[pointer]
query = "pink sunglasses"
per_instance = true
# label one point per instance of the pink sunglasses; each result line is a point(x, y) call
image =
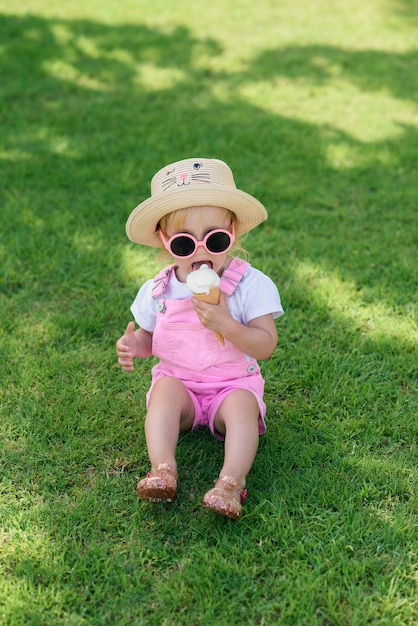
point(183, 245)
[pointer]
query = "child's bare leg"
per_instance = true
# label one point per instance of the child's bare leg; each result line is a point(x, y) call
point(237, 419)
point(170, 410)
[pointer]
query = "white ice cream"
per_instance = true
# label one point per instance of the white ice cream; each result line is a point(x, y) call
point(202, 280)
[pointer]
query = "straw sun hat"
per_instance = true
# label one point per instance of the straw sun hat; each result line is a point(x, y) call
point(190, 183)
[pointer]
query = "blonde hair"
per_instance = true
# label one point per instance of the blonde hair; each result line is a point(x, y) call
point(175, 220)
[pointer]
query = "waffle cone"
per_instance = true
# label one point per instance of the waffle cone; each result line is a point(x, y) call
point(211, 298)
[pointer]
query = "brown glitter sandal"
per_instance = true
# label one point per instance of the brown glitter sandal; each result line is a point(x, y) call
point(226, 498)
point(160, 485)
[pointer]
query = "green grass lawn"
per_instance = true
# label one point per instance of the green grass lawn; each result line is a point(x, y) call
point(314, 106)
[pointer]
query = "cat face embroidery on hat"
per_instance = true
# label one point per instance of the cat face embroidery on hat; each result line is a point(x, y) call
point(192, 172)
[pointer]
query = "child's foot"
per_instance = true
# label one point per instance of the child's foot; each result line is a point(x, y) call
point(159, 486)
point(226, 498)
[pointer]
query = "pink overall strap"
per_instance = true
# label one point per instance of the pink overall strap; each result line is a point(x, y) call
point(160, 285)
point(233, 275)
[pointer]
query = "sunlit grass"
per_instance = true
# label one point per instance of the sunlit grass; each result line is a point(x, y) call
point(379, 320)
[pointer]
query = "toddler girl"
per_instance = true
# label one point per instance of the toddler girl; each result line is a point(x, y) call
point(196, 213)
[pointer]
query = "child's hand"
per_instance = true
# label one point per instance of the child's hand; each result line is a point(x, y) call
point(126, 348)
point(213, 316)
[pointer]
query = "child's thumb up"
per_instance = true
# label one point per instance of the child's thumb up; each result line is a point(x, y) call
point(130, 329)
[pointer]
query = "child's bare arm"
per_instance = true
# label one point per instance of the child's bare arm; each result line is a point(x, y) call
point(258, 339)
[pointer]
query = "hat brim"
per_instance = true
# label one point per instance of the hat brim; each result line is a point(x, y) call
point(142, 222)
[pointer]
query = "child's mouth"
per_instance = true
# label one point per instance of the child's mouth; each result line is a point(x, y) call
point(198, 264)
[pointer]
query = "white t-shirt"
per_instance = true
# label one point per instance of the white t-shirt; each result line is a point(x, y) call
point(256, 295)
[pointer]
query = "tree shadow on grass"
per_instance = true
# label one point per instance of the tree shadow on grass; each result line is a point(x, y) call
point(86, 142)
point(406, 9)
point(91, 111)
point(368, 70)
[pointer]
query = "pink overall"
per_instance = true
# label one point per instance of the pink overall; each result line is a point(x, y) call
point(190, 352)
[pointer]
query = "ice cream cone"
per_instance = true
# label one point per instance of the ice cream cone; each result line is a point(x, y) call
point(211, 298)
point(204, 284)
